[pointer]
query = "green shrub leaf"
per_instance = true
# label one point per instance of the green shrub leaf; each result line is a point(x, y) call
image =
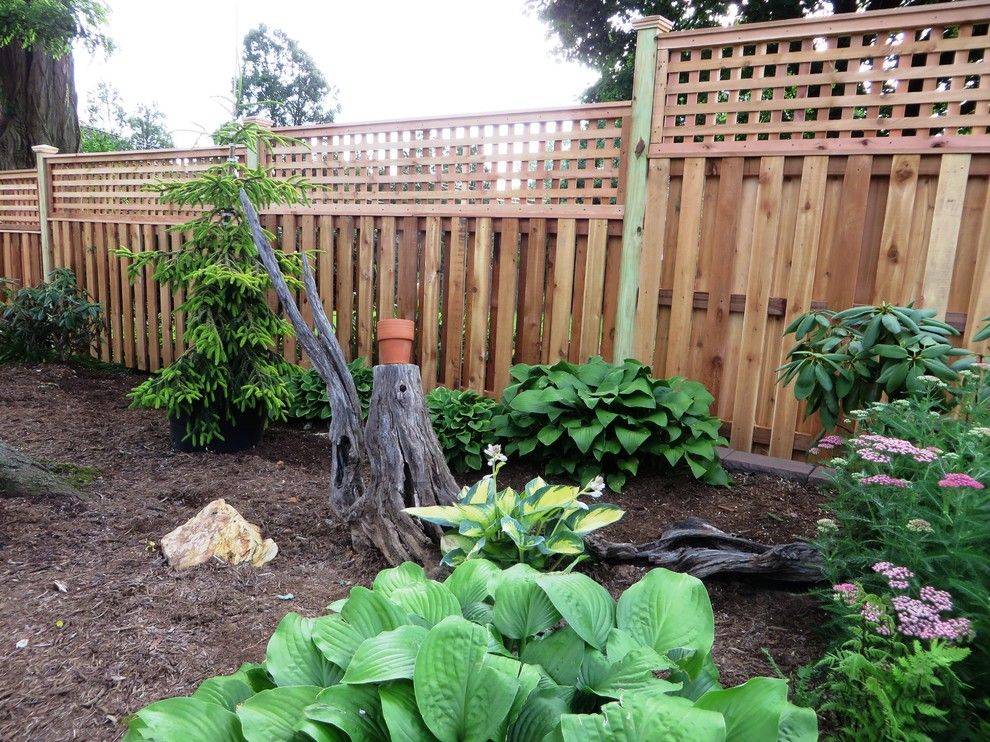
point(585, 605)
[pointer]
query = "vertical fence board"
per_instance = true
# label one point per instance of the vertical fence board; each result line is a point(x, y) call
point(563, 286)
point(686, 267)
point(453, 320)
point(505, 314)
point(478, 301)
point(366, 296)
point(344, 299)
point(430, 307)
point(946, 221)
point(593, 289)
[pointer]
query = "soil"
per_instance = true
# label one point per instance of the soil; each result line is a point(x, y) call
point(110, 627)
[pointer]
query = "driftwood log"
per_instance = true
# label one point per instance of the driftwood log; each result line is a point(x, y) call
point(408, 468)
point(702, 550)
point(23, 476)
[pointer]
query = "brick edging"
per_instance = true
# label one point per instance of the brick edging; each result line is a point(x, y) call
point(755, 463)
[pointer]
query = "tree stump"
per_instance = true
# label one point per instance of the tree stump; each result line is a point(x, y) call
point(408, 468)
point(22, 476)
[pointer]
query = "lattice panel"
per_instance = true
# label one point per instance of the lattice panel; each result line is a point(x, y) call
point(570, 156)
point(878, 75)
point(19, 199)
point(116, 182)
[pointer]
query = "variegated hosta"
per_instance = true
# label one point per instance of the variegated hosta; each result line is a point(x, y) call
point(514, 656)
point(542, 526)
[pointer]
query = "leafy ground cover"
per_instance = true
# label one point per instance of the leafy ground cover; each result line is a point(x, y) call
point(128, 630)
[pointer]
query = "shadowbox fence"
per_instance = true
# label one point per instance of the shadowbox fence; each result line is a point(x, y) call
point(759, 171)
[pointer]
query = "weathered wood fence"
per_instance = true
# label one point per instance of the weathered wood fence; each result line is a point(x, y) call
point(759, 171)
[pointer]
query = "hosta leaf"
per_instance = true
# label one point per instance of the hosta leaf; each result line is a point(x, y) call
point(540, 714)
point(402, 715)
point(596, 516)
point(754, 711)
point(430, 600)
point(459, 698)
point(645, 716)
point(549, 434)
point(585, 435)
point(474, 581)
point(407, 573)
point(548, 498)
point(272, 715)
point(585, 605)
point(633, 672)
point(560, 654)
point(371, 613)
point(442, 515)
point(521, 608)
point(292, 657)
point(519, 535)
point(563, 541)
point(630, 439)
point(389, 656)
point(337, 639)
point(184, 720)
point(666, 610)
point(353, 709)
point(225, 691)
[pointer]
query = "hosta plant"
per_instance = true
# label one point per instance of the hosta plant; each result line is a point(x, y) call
point(308, 398)
point(595, 418)
point(462, 420)
point(488, 655)
point(844, 360)
point(543, 526)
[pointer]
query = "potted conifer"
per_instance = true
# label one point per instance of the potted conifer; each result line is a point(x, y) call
point(223, 390)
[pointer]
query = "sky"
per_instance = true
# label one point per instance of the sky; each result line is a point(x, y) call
point(389, 58)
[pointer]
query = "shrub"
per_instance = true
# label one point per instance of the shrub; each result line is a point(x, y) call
point(844, 360)
point(595, 418)
point(910, 489)
point(487, 654)
point(308, 399)
point(232, 363)
point(542, 526)
point(55, 321)
point(462, 420)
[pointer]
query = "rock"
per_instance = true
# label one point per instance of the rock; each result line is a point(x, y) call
point(217, 530)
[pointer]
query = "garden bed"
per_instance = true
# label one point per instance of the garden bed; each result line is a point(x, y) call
point(132, 630)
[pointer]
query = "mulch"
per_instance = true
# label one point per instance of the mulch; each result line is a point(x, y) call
point(128, 629)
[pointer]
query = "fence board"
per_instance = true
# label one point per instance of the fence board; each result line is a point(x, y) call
point(478, 301)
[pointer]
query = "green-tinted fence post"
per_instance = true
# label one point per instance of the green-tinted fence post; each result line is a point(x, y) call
point(644, 84)
point(43, 152)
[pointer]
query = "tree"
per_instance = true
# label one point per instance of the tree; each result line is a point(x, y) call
point(108, 128)
point(37, 88)
point(598, 32)
point(148, 128)
point(280, 81)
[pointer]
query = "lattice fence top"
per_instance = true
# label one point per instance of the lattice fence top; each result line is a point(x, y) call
point(827, 83)
point(114, 183)
point(553, 157)
point(19, 200)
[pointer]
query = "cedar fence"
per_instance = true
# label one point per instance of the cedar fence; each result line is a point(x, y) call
point(759, 171)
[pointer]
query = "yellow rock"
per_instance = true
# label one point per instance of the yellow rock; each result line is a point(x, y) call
point(217, 530)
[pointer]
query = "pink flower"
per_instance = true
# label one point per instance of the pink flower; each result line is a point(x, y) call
point(886, 480)
point(897, 577)
point(878, 448)
point(938, 599)
point(847, 592)
point(871, 613)
point(959, 480)
point(830, 441)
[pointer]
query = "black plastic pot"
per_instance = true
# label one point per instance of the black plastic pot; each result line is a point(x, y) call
point(243, 433)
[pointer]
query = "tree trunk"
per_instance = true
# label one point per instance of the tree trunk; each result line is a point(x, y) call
point(37, 105)
point(408, 469)
point(702, 550)
point(22, 476)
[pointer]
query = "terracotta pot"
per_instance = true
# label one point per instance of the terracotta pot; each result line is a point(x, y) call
point(395, 340)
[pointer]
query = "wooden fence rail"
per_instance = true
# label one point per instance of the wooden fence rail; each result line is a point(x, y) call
point(761, 171)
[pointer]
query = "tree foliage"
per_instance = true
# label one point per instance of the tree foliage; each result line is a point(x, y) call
point(108, 127)
point(280, 80)
point(52, 26)
point(598, 33)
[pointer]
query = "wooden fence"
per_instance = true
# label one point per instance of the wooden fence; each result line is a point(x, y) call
point(760, 171)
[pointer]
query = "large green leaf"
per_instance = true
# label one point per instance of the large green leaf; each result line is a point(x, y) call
point(560, 654)
point(474, 581)
point(521, 608)
point(633, 672)
point(371, 613)
point(389, 580)
point(585, 605)
point(666, 610)
point(389, 656)
point(336, 638)
point(460, 699)
point(273, 715)
point(353, 709)
point(442, 515)
point(431, 601)
point(184, 720)
point(540, 714)
point(293, 658)
point(229, 690)
point(401, 713)
point(596, 516)
point(755, 710)
point(644, 717)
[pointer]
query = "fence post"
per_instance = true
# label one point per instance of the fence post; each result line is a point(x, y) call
point(256, 158)
point(638, 146)
point(43, 152)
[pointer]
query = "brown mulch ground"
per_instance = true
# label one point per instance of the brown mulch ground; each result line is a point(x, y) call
point(130, 630)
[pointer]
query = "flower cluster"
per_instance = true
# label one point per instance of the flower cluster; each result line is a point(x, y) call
point(826, 525)
point(848, 592)
point(919, 525)
point(959, 480)
point(879, 448)
point(897, 577)
point(922, 619)
point(886, 480)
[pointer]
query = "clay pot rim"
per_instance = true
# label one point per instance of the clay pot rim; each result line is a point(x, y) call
point(403, 329)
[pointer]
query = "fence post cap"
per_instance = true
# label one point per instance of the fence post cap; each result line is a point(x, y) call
point(661, 24)
point(260, 121)
point(44, 149)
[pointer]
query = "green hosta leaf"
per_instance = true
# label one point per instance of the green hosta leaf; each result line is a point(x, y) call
point(549, 434)
point(225, 691)
point(633, 672)
point(595, 517)
point(703, 681)
point(337, 639)
point(353, 709)
point(585, 605)
point(666, 610)
point(585, 435)
point(645, 716)
point(402, 715)
point(563, 541)
point(535, 400)
point(406, 574)
point(442, 515)
point(460, 699)
point(371, 613)
point(430, 600)
point(474, 581)
point(184, 720)
point(389, 656)
point(521, 608)
point(273, 715)
point(631, 439)
point(293, 658)
point(519, 535)
point(549, 498)
point(754, 712)
point(560, 654)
